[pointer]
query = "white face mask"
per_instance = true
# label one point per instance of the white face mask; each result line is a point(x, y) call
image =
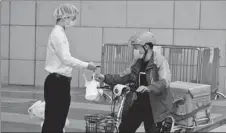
point(70, 23)
point(137, 54)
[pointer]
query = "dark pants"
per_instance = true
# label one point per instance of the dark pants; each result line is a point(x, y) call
point(139, 112)
point(57, 97)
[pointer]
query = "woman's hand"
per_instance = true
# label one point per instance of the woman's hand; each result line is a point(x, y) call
point(91, 66)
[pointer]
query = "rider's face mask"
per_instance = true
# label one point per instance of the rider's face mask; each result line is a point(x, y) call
point(138, 52)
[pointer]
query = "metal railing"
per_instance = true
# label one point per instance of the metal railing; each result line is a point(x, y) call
point(187, 63)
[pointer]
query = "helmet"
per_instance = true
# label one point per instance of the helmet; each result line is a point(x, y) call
point(142, 38)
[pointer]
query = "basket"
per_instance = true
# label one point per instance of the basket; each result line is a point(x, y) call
point(99, 123)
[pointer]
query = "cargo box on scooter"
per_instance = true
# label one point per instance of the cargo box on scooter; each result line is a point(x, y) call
point(194, 106)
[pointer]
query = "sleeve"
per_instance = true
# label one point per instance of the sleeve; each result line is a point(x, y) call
point(61, 46)
point(128, 76)
point(158, 86)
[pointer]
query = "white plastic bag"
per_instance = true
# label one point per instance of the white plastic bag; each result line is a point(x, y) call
point(92, 93)
point(38, 110)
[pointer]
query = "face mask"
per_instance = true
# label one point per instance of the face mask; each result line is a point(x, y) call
point(137, 54)
point(70, 23)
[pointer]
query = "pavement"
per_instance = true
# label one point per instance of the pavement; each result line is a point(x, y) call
point(15, 101)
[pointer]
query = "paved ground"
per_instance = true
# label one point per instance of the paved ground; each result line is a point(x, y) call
point(219, 129)
point(16, 100)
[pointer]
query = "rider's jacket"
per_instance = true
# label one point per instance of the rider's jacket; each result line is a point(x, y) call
point(158, 77)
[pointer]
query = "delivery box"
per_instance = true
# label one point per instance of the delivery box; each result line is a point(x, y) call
point(196, 106)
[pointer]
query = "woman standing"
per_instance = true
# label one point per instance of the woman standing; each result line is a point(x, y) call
point(59, 64)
